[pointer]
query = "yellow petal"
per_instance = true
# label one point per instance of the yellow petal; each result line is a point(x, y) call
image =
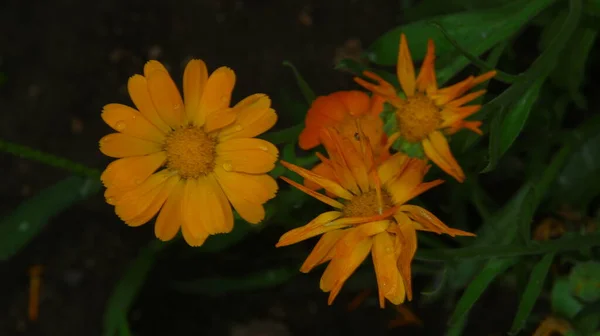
point(451, 115)
point(138, 91)
point(327, 184)
point(119, 145)
point(152, 66)
point(391, 167)
point(170, 217)
point(135, 202)
point(254, 117)
point(405, 69)
point(406, 255)
point(426, 81)
point(193, 209)
point(222, 215)
point(247, 193)
point(157, 202)
point(340, 269)
point(126, 120)
point(430, 221)
point(217, 93)
point(466, 98)
point(206, 208)
point(386, 269)
point(358, 234)
point(166, 98)
point(219, 119)
point(132, 171)
point(323, 198)
point(316, 227)
point(436, 148)
point(194, 80)
point(322, 250)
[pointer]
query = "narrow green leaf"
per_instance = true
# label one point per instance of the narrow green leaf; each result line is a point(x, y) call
point(532, 292)
point(25, 222)
point(477, 31)
point(506, 127)
point(307, 92)
point(480, 283)
point(128, 288)
point(217, 286)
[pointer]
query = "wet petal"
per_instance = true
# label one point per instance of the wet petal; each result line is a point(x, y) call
point(132, 171)
point(166, 98)
point(138, 91)
point(254, 117)
point(436, 148)
point(249, 155)
point(216, 95)
point(406, 255)
point(119, 145)
point(322, 250)
point(386, 269)
point(129, 121)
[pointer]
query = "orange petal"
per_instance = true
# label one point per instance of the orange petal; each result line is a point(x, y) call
point(407, 185)
point(405, 69)
point(119, 145)
point(166, 98)
point(247, 193)
point(219, 119)
point(322, 169)
point(384, 261)
point(132, 171)
point(453, 115)
point(391, 167)
point(466, 98)
point(447, 94)
point(126, 120)
point(436, 148)
point(340, 269)
point(135, 202)
point(327, 184)
point(358, 234)
point(255, 156)
point(323, 198)
point(472, 125)
point(430, 221)
point(217, 93)
point(356, 103)
point(152, 66)
point(138, 91)
point(322, 250)
point(316, 227)
point(207, 206)
point(193, 233)
point(157, 202)
point(325, 111)
point(408, 237)
point(170, 217)
point(426, 81)
point(194, 81)
point(254, 117)
point(381, 88)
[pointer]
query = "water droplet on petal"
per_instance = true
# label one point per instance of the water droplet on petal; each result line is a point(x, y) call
point(265, 148)
point(176, 106)
point(110, 200)
point(238, 128)
point(224, 99)
point(120, 125)
point(133, 117)
point(227, 166)
point(389, 250)
point(137, 181)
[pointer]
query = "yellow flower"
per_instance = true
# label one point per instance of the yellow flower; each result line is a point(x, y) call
point(188, 158)
point(427, 110)
point(370, 217)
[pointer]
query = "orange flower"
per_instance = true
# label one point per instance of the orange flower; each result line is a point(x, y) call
point(345, 111)
point(370, 217)
point(427, 110)
point(188, 158)
point(553, 326)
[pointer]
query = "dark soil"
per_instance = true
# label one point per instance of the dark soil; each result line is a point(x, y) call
point(65, 59)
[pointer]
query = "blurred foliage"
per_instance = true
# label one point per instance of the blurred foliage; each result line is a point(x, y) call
point(539, 155)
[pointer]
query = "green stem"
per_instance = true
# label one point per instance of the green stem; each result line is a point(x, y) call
point(48, 159)
point(512, 250)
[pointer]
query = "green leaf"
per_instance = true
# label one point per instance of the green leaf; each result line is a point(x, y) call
point(284, 136)
point(307, 92)
point(588, 319)
point(506, 127)
point(584, 281)
point(128, 288)
point(25, 222)
point(480, 283)
point(562, 300)
point(477, 31)
point(217, 286)
point(532, 292)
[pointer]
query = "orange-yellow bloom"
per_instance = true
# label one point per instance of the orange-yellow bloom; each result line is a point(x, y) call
point(553, 326)
point(345, 111)
point(370, 217)
point(428, 110)
point(189, 157)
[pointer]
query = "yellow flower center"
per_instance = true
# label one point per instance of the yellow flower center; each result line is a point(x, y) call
point(417, 118)
point(190, 152)
point(368, 204)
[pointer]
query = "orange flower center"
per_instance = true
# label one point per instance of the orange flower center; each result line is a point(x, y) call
point(190, 152)
point(417, 118)
point(368, 204)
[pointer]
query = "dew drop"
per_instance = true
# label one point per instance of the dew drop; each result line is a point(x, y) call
point(176, 106)
point(264, 148)
point(120, 125)
point(389, 250)
point(227, 166)
point(110, 200)
point(238, 128)
point(133, 117)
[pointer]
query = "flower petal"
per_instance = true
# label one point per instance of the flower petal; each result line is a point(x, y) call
point(145, 200)
point(323, 198)
point(391, 167)
point(316, 227)
point(170, 218)
point(356, 103)
point(129, 121)
point(254, 117)
point(194, 81)
point(216, 95)
point(132, 171)
point(426, 81)
point(408, 238)
point(166, 98)
point(119, 145)
point(436, 148)
point(255, 156)
point(386, 269)
point(327, 184)
point(206, 208)
point(219, 119)
point(194, 212)
point(247, 193)
point(340, 268)
point(405, 69)
point(429, 221)
point(322, 169)
point(138, 91)
point(322, 250)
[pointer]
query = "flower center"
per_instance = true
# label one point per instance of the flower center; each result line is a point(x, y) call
point(367, 204)
point(417, 118)
point(190, 152)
